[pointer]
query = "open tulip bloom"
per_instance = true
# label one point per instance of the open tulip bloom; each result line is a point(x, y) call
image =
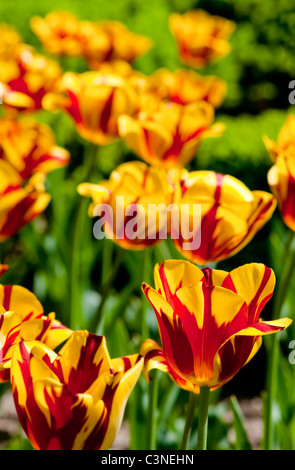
point(209, 321)
point(73, 400)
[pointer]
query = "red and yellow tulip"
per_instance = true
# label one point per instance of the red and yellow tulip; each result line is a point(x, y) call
point(201, 38)
point(30, 78)
point(135, 201)
point(94, 101)
point(168, 134)
point(3, 269)
point(60, 33)
point(73, 400)
point(20, 202)
point(184, 86)
point(22, 318)
point(115, 42)
point(209, 321)
point(230, 215)
point(281, 176)
point(30, 147)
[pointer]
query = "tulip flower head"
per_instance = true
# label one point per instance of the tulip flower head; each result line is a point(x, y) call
point(231, 215)
point(34, 76)
point(134, 205)
point(281, 176)
point(22, 318)
point(94, 101)
point(168, 134)
point(201, 38)
point(29, 146)
point(60, 33)
point(209, 321)
point(184, 86)
point(20, 201)
point(73, 400)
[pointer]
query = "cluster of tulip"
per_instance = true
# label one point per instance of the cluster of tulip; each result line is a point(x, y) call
point(209, 320)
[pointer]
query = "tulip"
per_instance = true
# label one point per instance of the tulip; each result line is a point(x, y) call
point(30, 78)
point(73, 400)
point(201, 38)
point(185, 86)
point(117, 43)
point(168, 134)
point(281, 176)
point(229, 216)
point(60, 33)
point(209, 321)
point(94, 101)
point(29, 146)
point(20, 202)
point(22, 317)
point(134, 204)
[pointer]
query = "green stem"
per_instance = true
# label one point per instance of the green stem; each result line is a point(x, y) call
point(272, 375)
point(81, 214)
point(152, 413)
point(97, 318)
point(203, 418)
point(193, 397)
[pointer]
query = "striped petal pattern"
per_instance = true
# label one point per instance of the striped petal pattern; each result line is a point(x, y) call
point(135, 199)
point(94, 101)
point(20, 202)
point(22, 318)
point(73, 400)
point(209, 321)
point(230, 216)
point(167, 133)
point(30, 147)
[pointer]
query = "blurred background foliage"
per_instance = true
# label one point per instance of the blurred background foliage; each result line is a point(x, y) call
point(257, 73)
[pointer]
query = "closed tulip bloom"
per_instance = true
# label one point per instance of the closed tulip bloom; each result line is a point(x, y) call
point(169, 134)
point(73, 400)
point(184, 86)
point(30, 147)
point(281, 176)
point(134, 204)
point(22, 317)
point(34, 75)
point(230, 216)
point(94, 101)
point(10, 43)
point(20, 202)
point(281, 179)
point(209, 321)
point(201, 38)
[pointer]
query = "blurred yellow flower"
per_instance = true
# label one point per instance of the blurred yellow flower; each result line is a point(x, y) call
point(94, 101)
point(30, 147)
point(29, 79)
point(184, 86)
point(201, 38)
point(168, 134)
